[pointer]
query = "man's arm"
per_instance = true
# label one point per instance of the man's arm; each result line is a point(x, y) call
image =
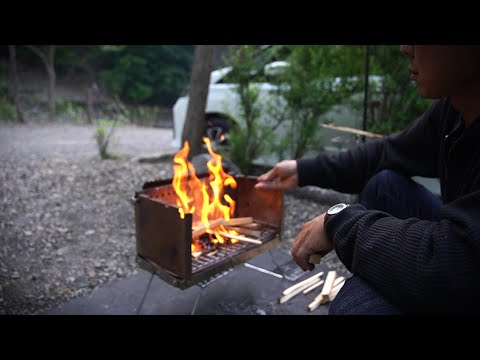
point(421, 266)
point(412, 152)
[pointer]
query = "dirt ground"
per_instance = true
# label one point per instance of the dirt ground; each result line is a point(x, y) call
point(67, 224)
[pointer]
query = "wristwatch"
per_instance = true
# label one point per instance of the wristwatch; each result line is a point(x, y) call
point(334, 210)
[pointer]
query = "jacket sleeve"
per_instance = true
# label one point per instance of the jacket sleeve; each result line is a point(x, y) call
point(421, 266)
point(412, 152)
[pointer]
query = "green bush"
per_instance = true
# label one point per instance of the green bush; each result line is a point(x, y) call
point(104, 139)
point(8, 112)
point(310, 89)
point(250, 138)
point(147, 73)
point(71, 111)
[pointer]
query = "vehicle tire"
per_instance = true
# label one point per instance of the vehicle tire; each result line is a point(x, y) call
point(216, 127)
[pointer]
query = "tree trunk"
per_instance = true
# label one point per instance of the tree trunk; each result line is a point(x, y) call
point(14, 82)
point(51, 82)
point(49, 61)
point(195, 123)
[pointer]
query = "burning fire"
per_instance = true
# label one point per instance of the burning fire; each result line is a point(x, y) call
point(205, 201)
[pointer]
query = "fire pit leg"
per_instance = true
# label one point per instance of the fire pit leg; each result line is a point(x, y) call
point(145, 295)
point(205, 283)
point(197, 300)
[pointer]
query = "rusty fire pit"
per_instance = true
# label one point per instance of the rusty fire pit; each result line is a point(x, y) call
point(164, 239)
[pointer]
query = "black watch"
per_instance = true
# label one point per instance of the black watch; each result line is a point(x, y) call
point(334, 210)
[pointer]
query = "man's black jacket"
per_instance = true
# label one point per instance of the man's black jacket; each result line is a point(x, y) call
point(421, 266)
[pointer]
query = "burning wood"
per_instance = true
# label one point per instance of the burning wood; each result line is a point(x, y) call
point(239, 221)
point(196, 254)
point(200, 229)
point(239, 238)
point(245, 231)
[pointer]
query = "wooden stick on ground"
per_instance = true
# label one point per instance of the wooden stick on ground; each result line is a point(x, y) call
point(329, 283)
point(352, 131)
point(298, 290)
point(336, 288)
point(322, 299)
point(313, 287)
point(301, 283)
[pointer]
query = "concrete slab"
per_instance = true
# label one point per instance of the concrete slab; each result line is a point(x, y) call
point(242, 291)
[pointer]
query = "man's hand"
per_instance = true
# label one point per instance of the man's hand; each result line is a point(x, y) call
point(312, 239)
point(283, 176)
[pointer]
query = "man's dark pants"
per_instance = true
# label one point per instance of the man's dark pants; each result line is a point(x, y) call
point(403, 198)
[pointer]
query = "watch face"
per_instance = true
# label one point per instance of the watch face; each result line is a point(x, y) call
point(335, 209)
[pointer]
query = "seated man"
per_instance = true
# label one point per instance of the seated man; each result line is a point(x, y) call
point(409, 251)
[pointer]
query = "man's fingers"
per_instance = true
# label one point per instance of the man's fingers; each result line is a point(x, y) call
point(272, 185)
point(297, 243)
point(302, 260)
point(268, 176)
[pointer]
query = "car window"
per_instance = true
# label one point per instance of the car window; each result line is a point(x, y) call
point(231, 78)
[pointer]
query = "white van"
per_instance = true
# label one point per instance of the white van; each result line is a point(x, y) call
point(223, 103)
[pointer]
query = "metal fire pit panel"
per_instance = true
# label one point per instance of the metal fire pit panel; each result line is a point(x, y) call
point(162, 236)
point(164, 239)
point(263, 205)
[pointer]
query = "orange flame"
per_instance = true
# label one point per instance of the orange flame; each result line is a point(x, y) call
point(194, 196)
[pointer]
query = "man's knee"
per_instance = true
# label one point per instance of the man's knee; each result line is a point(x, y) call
point(357, 297)
point(380, 181)
point(378, 186)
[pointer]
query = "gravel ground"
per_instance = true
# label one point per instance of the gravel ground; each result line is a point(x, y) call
point(66, 223)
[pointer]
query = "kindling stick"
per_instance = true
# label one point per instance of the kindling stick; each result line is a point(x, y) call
point(200, 229)
point(298, 290)
point(240, 238)
point(239, 221)
point(322, 299)
point(263, 270)
point(315, 259)
point(245, 231)
point(352, 131)
point(329, 283)
point(313, 287)
point(294, 287)
point(336, 289)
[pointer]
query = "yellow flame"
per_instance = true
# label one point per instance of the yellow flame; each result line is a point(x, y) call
point(179, 181)
point(195, 195)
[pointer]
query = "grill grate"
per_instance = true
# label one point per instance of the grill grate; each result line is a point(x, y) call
point(218, 253)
